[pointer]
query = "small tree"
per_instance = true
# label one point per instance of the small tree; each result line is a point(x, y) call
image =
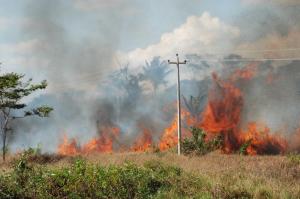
point(195, 105)
point(13, 89)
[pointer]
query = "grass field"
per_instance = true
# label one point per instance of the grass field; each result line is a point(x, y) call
point(214, 175)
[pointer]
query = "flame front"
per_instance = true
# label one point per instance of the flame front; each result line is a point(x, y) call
point(144, 142)
point(222, 116)
point(103, 144)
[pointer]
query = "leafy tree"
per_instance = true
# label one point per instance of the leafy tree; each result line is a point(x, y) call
point(13, 89)
point(156, 72)
point(127, 81)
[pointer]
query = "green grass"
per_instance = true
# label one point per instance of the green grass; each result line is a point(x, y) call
point(81, 178)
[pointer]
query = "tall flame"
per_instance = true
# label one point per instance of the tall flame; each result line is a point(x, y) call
point(222, 116)
point(144, 142)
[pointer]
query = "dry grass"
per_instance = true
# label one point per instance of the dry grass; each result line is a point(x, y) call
point(260, 174)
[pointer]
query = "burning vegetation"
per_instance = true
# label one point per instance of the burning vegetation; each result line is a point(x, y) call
point(223, 116)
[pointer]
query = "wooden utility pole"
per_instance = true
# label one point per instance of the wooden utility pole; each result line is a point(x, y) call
point(178, 63)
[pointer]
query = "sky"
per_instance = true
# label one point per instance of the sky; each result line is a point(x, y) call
point(69, 40)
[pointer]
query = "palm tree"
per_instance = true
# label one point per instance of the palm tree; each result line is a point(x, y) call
point(156, 72)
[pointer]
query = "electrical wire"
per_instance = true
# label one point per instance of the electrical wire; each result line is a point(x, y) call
point(223, 52)
point(249, 60)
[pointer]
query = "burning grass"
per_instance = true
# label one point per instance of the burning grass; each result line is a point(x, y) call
point(222, 118)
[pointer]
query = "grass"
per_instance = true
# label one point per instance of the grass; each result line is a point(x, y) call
point(160, 175)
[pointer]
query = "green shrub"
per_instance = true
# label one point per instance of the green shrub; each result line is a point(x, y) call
point(152, 180)
point(198, 143)
point(243, 148)
point(83, 180)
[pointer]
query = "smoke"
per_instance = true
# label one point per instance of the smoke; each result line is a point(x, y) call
point(74, 65)
point(88, 91)
point(273, 97)
point(269, 26)
point(70, 52)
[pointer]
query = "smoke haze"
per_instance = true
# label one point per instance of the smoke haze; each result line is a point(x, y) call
point(94, 81)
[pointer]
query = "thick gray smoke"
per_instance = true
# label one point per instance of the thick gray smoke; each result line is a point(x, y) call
point(131, 101)
point(87, 93)
point(273, 97)
point(73, 66)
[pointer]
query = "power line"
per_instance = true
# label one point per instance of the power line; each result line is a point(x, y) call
point(249, 60)
point(95, 76)
point(223, 52)
point(91, 77)
point(269, 50)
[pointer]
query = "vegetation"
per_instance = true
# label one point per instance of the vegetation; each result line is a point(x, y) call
point(12, 91)
point(83, 180)
point(294, 158)
point(194, 105)
point(198, 144)
point(156, 72)
point(152, 176)
point(243, 148)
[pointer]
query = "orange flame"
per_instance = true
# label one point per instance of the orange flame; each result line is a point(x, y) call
point(262, 141)
point(68, 147)
point(169, 138)
point(103, 144)
point(222, 116)
point(144, 142)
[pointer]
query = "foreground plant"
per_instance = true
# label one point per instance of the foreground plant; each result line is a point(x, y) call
point(83, 180)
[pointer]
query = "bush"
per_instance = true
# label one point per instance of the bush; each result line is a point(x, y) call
point(83, 180)
point(198, 143)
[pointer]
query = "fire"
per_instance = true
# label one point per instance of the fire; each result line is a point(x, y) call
point(169, 137)
point(223, 110)
point(144, 142)
point(68, 147)
point(109, 137)
point(246, 73)
point(261, 141)
point(222, 117)
point(103, 144)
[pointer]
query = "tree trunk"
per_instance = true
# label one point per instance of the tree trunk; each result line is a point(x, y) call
point(4, 145)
